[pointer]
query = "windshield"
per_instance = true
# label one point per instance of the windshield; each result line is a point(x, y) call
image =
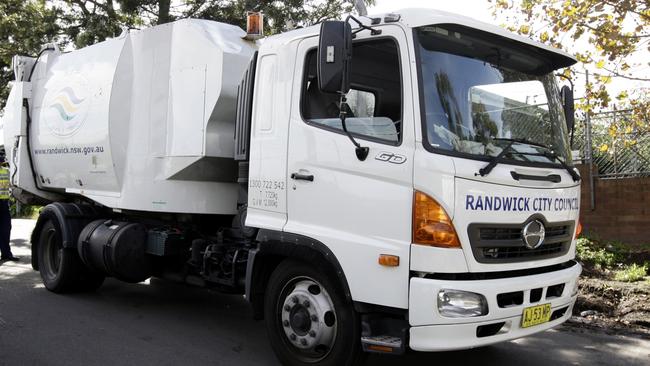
point(481, 94)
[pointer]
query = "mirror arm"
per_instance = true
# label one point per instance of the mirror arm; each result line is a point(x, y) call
point(362, 27)
point(572, 86)
point(361, 151)
point(567, 79)
point(573, 130)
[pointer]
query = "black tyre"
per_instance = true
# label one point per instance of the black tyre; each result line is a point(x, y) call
point(61, 269)
point(308, 318)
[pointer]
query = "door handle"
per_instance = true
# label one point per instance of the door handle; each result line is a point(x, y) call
point(298, 176)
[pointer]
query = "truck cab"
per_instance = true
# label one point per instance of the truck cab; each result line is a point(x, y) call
point(375, 184)
point(435, 98)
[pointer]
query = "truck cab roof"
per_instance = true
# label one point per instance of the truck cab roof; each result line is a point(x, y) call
point(418, 17)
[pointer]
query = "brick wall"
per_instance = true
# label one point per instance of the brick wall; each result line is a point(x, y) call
point(622, 208)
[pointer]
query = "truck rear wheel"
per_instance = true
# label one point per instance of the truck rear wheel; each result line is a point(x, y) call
point(308, 318)
point(61, 269)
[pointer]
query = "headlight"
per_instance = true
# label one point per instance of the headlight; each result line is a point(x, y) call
point(461, 304)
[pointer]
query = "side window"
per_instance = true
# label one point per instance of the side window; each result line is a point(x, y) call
point(374, 100)
point(361, 103)
point(265, 89)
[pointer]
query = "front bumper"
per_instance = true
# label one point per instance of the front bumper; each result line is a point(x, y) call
point(432, 332)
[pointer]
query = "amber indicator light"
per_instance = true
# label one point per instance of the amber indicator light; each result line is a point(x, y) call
point(431, 224)
point(388, 260)
point(578, 229)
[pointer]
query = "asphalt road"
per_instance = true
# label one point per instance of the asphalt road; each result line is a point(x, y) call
point(159, 323)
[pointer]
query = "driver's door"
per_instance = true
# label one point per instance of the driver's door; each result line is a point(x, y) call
point(358, 209)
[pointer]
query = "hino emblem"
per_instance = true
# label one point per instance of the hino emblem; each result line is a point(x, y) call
point(533, 234)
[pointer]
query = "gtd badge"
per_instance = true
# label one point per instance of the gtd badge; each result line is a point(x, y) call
point(390, 157)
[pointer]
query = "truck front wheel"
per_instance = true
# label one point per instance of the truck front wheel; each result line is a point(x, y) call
point(61, 269)
point(308, 318)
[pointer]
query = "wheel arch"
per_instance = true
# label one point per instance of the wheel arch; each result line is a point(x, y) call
point(71, 217)
point(273, 248)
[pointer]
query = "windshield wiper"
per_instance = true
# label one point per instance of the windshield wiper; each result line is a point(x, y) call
point(548, 153)
point(553, 156)
point(522, 141)
point(495, 160)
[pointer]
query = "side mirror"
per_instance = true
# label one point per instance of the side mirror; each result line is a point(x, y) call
point(334, 56)
point(569, 108)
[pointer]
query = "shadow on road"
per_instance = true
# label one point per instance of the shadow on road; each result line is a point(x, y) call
point(163, 323)
point(170, 323)
point(20, 243)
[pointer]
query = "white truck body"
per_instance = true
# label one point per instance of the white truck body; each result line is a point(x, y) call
point(154, 106)
point(145, 122)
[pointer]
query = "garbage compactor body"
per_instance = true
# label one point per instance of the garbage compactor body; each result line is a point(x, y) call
point(144, 121)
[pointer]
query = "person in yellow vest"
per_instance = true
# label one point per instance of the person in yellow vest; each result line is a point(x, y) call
point(5, 215)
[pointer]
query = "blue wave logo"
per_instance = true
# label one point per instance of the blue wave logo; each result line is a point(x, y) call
point(67, 104)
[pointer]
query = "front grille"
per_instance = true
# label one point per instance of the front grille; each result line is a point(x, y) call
point(554, 231)
point(509, 299)
point(555, 291)
point(489, 329)
point(522, 251)
point(557, 314)
point(503, 243)
point(514, 233)
point(489, 233)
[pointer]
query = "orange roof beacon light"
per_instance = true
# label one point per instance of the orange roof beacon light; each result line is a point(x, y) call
point(431, 224)
point(254, 25)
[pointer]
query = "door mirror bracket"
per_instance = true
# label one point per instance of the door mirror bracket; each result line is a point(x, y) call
point(360, 151)
point(334, 66)
point(569, 107)
point(568, 104)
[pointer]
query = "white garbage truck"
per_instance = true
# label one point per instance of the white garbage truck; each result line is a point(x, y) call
point(400, 181)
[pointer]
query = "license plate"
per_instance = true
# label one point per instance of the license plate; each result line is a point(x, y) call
point(536, 315)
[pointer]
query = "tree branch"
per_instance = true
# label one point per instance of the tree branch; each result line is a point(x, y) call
point(618, 74)
point(600, 32)
point(194, 9)
point(82, 5)
point(616, 4)
point(108, 7)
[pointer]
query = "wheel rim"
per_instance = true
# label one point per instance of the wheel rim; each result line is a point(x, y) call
point(53, 254)
point(308, 319)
